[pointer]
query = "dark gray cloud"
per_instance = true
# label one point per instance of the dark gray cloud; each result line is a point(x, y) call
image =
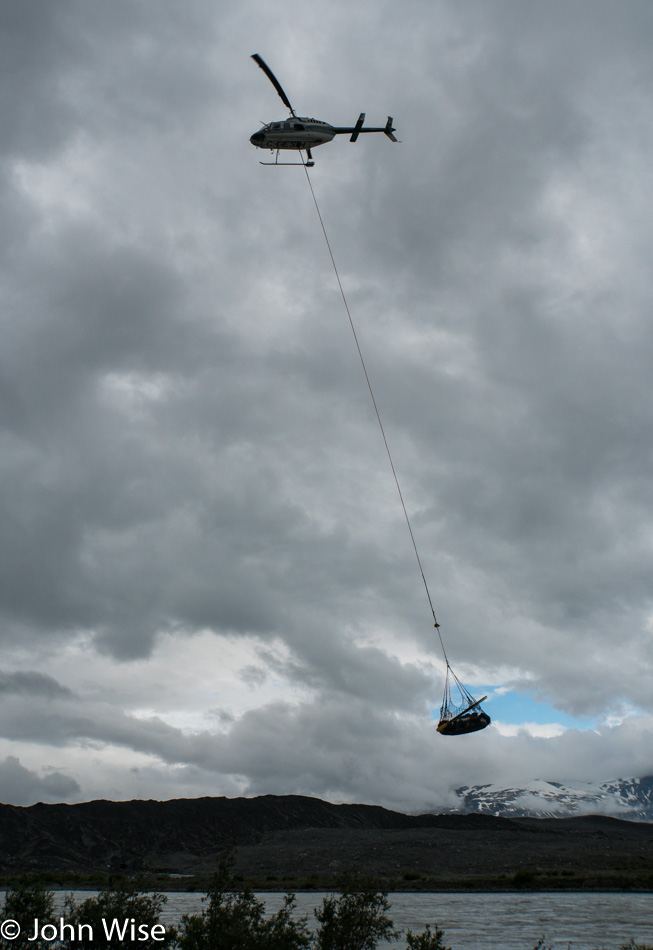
point(21, 786)
point(30, 683)
point(344, 750)
point(192, 477)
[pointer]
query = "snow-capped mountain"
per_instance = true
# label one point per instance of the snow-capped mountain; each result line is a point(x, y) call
point(629, 798)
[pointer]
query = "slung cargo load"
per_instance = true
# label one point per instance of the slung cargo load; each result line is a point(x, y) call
point(460, 713)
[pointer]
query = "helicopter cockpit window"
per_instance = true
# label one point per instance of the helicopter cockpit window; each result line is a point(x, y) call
point(298, 125)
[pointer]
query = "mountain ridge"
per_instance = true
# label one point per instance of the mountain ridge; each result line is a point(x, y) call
point(283, 837)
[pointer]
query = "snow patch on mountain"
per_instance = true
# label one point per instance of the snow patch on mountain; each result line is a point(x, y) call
point(628, 798)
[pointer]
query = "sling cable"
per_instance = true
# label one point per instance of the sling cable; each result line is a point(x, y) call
point(460, 712)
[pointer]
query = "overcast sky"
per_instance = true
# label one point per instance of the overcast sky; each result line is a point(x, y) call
point(207, 586)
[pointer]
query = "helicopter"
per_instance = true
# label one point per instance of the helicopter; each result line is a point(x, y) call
point(301, 133)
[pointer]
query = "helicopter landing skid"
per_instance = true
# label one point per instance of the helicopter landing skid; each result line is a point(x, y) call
point(309, 163)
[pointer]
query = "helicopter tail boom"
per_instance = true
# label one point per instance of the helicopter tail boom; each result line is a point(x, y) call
point(357, 129)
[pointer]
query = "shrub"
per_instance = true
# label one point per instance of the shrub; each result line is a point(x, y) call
point(234, 920)
point(25, 900)
point(115, 908)
point(523, 878)
point(356, 920)
point(427, 940)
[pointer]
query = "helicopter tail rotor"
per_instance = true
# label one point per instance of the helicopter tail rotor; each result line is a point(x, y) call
point(389, 130)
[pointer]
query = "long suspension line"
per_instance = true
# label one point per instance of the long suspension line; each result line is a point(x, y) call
point(376, 410)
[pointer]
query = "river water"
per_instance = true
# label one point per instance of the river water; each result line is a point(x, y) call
point(582, 921)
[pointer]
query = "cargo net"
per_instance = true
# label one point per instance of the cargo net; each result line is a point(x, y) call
point(460, 713)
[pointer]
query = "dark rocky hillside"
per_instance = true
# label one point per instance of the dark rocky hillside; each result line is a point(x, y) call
point(296, 837)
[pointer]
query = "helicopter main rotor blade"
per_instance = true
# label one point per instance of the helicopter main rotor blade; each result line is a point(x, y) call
point(273, 79)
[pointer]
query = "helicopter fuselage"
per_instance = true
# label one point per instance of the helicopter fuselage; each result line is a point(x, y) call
point(300, 133)
point(297, 133)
